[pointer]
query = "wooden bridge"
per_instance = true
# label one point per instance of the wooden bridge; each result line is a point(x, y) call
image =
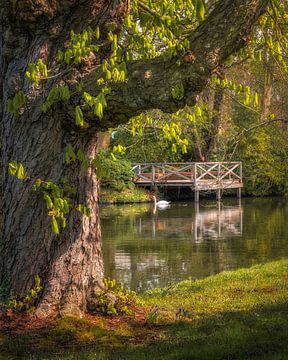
point(199, 176)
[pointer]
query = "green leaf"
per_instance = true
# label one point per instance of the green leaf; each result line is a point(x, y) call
point(98, 110)
point(90, 100)
point(49, 202)
point(200, 9)
point(64, 222)
point(60, 55)
point(97, 33)
point(54, 225)
point(70, 155)
point(20, 172)
point(79, 118)
point(64, 93)
point(12, 167)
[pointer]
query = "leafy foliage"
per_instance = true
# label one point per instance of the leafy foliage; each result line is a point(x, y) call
point(121, 304)
point(57, 204)
point(16, 105)
point(37, 72)
point(27, 302)
point(81, 45)
point(60, 93)
point(56, 197)
point(113, 174)
point(16, 169)
point(177, 91)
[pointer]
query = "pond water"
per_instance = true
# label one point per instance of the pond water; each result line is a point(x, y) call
point(144, 248)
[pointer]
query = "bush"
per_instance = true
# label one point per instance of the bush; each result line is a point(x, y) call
point(114, 174)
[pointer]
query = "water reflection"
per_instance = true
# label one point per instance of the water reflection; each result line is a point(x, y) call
point(144, 248)
point(212, 223)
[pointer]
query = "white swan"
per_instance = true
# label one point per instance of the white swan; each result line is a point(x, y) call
point(161, 203)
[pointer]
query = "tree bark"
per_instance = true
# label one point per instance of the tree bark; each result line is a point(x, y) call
point(70, 265)
point(212, 138)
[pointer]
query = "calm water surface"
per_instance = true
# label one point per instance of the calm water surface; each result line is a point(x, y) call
point(144, 248)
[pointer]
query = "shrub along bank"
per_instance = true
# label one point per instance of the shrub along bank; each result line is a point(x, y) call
point(116, 181)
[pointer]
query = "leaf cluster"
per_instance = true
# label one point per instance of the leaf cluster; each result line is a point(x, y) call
point(57, 204)
point(16, 104)
point(121, 304)
point(27, 302)
point(37, 72)
point(16, 169)
point(59, 93)
point(81, 45)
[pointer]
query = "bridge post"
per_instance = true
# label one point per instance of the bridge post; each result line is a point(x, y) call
point(196, 196)
point(239, 193)
point(218, 194)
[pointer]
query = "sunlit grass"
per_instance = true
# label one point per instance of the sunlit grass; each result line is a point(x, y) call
point(241, 314)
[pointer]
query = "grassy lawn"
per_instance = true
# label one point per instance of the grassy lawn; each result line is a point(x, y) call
point(240, 314)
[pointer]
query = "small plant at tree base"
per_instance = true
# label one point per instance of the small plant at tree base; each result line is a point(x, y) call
point(27, 302)
point(153, 315)
point(182, 313)
point(115, 300)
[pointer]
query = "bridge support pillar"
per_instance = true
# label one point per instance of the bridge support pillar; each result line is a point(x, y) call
point(239, 193)
point(218, 194)
point(196, 196)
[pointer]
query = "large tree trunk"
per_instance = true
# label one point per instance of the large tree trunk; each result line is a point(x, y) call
point(70, 264)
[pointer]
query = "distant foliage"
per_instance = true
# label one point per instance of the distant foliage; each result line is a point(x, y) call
point(263, 168)
point(114, 174)
point(149, 146)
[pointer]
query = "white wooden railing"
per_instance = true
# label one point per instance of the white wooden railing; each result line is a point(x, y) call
point(199, 175)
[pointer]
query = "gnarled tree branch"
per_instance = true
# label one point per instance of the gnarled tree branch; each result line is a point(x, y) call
point(150, 82)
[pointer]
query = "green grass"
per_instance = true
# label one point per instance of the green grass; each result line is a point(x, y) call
point(241, 314)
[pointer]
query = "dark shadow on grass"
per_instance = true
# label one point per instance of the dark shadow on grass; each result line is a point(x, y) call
point(258, 334)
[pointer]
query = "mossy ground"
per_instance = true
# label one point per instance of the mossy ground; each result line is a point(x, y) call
point(233, 315)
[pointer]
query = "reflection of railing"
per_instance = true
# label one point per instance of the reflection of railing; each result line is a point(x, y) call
point(199, 176)
point(206, 224)
point(218, 223)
